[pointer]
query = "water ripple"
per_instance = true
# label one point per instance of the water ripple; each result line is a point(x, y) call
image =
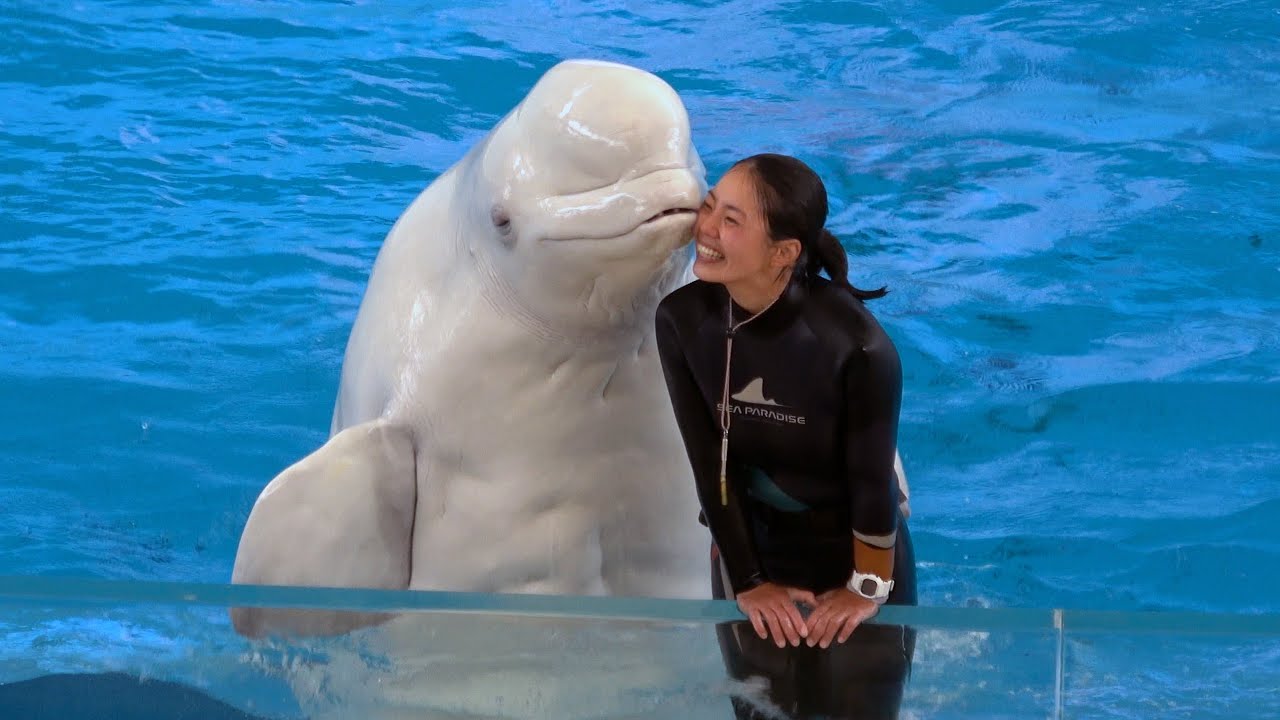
point(1072, 203)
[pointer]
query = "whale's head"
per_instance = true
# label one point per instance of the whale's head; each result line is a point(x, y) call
point(588, 191)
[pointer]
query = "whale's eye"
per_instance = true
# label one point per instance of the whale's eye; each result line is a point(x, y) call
point(501, 219)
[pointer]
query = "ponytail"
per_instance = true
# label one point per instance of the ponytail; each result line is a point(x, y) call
point(826, 253)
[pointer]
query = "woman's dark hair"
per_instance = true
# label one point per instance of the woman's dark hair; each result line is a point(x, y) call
point(794, 202)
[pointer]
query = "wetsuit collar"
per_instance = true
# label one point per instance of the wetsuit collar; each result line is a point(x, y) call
point(775, 317)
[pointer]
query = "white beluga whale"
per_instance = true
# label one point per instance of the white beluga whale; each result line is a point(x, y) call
point(502, 423)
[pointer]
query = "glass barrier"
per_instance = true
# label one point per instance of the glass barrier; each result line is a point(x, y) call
point(83, 648)
point(1171, 665)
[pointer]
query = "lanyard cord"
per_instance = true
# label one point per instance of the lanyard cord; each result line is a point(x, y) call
point(724, 398)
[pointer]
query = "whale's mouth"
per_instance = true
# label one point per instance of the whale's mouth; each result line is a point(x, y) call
point(659, 202)
point(657, 222)
point(669, 213)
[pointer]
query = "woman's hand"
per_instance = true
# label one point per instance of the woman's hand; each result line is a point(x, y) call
point(774, 606)
point(839, 611)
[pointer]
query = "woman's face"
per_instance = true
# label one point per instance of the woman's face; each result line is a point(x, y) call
point(732, 241)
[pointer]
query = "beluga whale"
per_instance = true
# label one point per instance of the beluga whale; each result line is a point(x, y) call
point(501, 423)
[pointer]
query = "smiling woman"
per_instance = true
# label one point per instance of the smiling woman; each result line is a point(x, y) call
point(792, 437)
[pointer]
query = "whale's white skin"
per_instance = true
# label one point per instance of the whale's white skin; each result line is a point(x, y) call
point(502, 423)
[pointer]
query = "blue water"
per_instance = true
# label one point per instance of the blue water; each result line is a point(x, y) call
point(1076, 207)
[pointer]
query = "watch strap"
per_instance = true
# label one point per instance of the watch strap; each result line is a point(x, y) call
point(870, 586)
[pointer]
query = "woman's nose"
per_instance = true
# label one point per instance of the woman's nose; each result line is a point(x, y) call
point(705, 226)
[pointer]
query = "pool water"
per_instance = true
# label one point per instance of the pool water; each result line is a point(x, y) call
point(1075, 207)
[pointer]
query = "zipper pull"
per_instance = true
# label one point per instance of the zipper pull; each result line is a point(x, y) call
point(724, 466)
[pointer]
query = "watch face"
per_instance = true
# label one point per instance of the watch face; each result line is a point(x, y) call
point(869, 587)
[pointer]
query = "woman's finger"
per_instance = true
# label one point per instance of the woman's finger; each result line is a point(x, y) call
point(757, 620)
point(818, 624)
point(836, 619)
point(775, 627)
point(784, 622)
point(792, 623)
point(796, 620)
point(856, 619)
point(848, 626)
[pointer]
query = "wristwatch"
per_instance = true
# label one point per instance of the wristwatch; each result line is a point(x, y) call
point(871, 587)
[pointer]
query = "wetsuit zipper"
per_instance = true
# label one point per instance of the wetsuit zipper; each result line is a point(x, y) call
point(724, 397)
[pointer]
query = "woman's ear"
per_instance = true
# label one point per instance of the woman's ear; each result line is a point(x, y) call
point(786, 252)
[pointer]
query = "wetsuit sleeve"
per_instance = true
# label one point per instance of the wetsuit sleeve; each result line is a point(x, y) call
point(702, 443)
point(873, 388)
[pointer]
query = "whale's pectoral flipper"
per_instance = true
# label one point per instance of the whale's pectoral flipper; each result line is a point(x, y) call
point(340, 517)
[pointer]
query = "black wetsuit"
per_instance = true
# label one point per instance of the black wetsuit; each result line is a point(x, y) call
point(814, 388)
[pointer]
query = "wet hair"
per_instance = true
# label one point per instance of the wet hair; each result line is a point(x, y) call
point(794, 201)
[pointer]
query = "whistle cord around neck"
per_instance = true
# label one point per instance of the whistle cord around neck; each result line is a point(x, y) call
point(724, 397)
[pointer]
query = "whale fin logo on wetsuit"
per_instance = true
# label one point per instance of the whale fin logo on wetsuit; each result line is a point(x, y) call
point(754, 393)
point(753, 403)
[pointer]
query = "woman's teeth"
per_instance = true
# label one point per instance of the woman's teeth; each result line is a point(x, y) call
point(707, 253)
